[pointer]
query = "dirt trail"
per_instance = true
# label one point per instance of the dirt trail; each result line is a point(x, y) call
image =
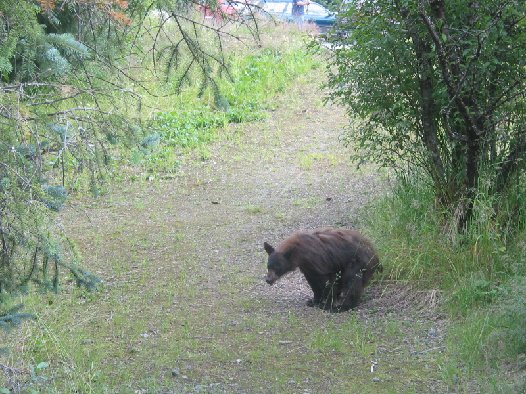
point(185, 308)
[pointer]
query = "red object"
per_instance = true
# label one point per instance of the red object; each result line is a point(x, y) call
point(224, 10)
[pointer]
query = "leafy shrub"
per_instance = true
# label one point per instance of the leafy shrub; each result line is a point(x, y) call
point(187, 129)
point(432, 85)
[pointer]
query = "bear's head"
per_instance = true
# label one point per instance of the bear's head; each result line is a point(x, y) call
point(278, 264)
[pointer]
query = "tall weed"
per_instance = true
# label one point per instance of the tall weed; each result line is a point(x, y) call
point(419, 241)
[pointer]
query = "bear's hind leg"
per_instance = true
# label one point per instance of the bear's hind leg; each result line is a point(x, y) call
point(351, 291)
point(317, 285)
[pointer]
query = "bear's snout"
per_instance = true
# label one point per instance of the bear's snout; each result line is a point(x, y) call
point(271, 277)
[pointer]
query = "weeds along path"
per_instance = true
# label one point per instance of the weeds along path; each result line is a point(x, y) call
point(185, 307)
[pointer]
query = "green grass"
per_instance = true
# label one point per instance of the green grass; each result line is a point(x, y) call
point(194, 120)
point(341, 337)
point(480, 273)
point(253, 209)
point(308, 160)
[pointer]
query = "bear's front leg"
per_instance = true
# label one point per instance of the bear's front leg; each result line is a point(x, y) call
point(317, 286)
point(313, 302)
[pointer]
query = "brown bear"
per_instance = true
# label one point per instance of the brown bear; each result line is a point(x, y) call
point(337, 264)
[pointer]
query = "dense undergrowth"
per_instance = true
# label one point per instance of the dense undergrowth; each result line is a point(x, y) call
point(481, 274)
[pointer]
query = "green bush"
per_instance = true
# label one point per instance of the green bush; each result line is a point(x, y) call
point(434, 85)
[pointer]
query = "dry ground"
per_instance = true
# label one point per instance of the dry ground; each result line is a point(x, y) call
point(184, 307)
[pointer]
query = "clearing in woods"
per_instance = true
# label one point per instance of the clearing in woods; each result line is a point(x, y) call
point(184, 307)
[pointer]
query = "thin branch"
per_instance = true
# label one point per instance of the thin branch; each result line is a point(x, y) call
point(444, 61)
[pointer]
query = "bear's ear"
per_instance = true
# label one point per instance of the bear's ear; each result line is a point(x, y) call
point(269, 249)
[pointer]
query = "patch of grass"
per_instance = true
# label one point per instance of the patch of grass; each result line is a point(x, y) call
point(280, 216)
point(253, 209)
point(307, 160)
point(477, 270)
point(418, 242)
point(340, 337)
point(393, 328)
point(306, 203)
point(491, 337)
point(473, 290)
point(194, 120)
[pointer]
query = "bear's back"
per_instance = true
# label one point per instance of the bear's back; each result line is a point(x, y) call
point(329, 250)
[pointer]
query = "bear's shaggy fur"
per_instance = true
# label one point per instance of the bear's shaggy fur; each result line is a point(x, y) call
point(337, 263)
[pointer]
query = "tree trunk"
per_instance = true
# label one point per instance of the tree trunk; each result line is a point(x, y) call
point(472, 175)
point(428, 110)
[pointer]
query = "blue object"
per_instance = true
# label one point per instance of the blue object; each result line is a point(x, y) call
point(314, 12)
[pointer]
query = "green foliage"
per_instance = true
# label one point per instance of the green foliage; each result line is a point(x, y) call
point(68, 45)
point(58, 118)
point(339, 338)
point(435, 85)
point(12, 317)
point(471, 292)
point(419, 241)
point(491, 339)
point(18, 26)
point(255, 80)
point(258, 76)
point(511, 310)
point(189, 129)
point(56, 196)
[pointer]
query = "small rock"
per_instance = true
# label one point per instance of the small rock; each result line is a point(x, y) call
point(433, 332)
point(375, 379)
point(175, 372)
